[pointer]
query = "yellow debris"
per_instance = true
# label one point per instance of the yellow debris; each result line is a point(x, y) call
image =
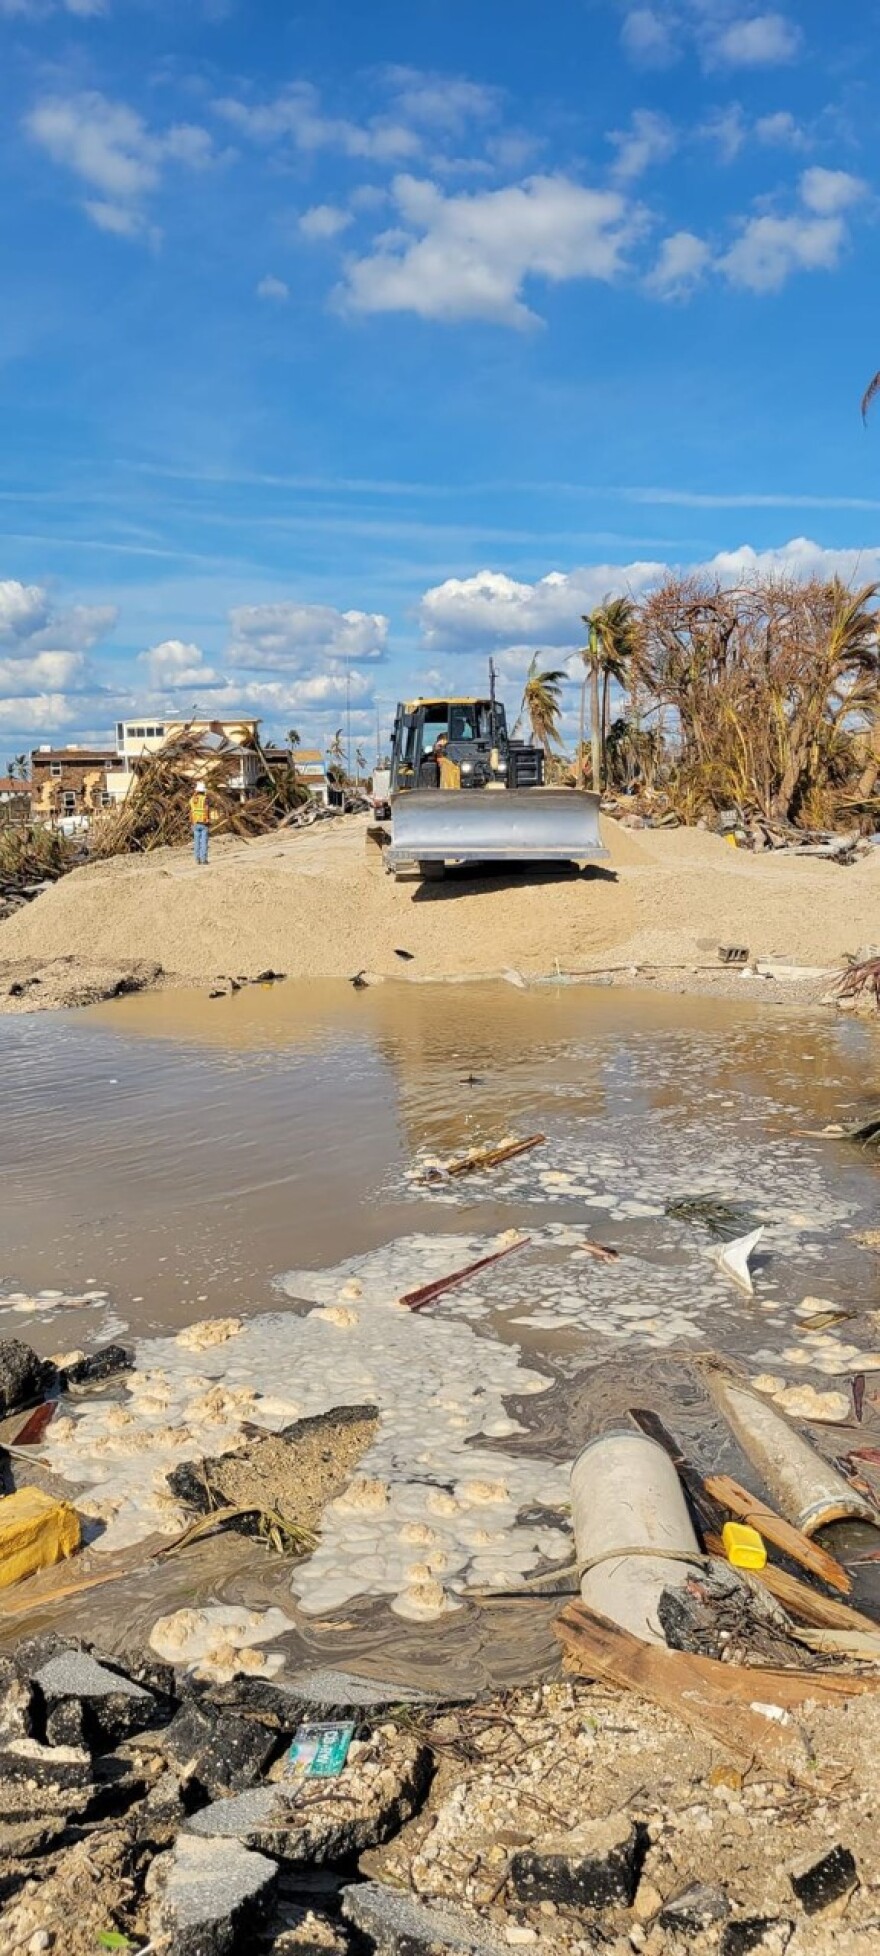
point(35, 1533)
point(743, 1546)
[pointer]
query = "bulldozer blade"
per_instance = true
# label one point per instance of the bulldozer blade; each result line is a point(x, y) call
point(506, 825)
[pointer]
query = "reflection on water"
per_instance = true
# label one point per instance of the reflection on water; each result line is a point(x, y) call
point(183, 1152)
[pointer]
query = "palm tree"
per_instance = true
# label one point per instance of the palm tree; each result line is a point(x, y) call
point(542, 702)
point(293, 742)
point(610, 645)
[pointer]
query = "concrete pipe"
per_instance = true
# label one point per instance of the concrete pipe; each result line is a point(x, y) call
point(807, 1491)
point(632, 1530)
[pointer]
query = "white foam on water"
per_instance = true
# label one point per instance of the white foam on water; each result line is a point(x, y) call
point(438, 1386)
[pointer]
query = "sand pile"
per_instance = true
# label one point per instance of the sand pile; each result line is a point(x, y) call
point(319, 904)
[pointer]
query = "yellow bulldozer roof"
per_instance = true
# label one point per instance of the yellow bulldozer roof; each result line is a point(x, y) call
point(446, 699)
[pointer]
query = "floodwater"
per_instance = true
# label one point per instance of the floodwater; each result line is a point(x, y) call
point(190, 1158)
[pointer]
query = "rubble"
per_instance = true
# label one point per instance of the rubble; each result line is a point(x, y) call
point(316, 1820)
point(111, 1707)
point(214, 1896)
point(23, 1376)
point(818, 1883)
point(217, 1752)
point(398, 1925)
point(594, 1866)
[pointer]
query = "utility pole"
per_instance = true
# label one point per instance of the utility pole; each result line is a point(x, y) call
point(348, 718)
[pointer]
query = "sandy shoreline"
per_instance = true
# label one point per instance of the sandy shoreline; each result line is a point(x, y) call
point(319, 905)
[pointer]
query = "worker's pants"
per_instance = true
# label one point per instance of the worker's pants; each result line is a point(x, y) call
point(200, 841)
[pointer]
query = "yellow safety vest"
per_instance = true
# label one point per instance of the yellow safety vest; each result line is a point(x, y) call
point(198, 809)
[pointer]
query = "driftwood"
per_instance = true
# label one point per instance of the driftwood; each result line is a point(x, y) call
point(482, 1158)
point(781, 1533)
point(415, 1300)
point(714, 1699)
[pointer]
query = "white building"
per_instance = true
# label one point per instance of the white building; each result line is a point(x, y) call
point(137, 738)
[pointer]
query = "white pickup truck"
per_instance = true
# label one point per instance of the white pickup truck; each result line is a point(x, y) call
point(381, 793)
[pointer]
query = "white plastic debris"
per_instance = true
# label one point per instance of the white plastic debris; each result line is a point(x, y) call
point(733, 1259)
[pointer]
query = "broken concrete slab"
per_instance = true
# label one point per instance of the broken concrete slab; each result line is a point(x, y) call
point(819, 1880)
point(91, 1370)
point(23, 1376)
point(215, 1896)
point(217, 1752)
point(319, 1820)
point(596, 1865)
point(398, 1925)
point(696, 1908)
point(752, 1932)
point(163, 1814)
point(78, 1690)
point(320, 1693)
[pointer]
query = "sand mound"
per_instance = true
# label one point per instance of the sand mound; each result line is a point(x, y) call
point(318, 904)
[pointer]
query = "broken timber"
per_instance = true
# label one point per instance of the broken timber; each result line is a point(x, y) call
point(415, 1300)
point(482, 1158)
point(781, 1533)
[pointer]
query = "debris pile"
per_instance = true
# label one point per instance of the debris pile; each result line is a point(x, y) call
point(155, 813)
point(31, 860)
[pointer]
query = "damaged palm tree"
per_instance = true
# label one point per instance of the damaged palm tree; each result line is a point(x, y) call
point(862, 978)
point(774, 688)
point(156, 810)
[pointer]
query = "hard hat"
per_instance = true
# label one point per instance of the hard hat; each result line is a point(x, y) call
point(200, 787)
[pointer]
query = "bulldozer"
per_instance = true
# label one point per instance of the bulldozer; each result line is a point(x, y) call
point(462, 789)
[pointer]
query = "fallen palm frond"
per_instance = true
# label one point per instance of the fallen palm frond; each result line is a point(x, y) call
point(33, 855)
point(415, 1300)
point(286, 1537)
point(863, 976)
point(156, 810)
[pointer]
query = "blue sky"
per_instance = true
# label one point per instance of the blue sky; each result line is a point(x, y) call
point(341, 346)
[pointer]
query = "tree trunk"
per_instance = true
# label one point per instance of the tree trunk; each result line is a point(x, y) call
point(606, 697)
point(595, 723)
point(582, 758)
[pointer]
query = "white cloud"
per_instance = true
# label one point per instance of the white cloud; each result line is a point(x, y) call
point(122, 220)
point(476, 250)
point(492, 612)
point(442, 101)
point(830, 191)
point(727, 129)
point(109, 147)
point(24, 609)
point(755, 41)
point(682, 261)
point(39, 713)
point(649, 139)
point(174, 664)
point(324, 221)
point(770, 249)
point(58, 670)
point(492, 609)
point(296, 637)
point(649, 37)
point(781, 129)
point(271, 287)
point(296, 116)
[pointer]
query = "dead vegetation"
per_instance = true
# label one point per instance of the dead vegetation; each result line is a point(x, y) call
point(765, 696)
point(156, 814)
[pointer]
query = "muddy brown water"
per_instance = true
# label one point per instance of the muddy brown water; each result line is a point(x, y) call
point(182, 1153)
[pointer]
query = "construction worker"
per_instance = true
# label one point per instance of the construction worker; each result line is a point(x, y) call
point(200, 817)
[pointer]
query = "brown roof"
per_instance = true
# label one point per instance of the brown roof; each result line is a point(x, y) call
point(75, 756)
point(9, 786)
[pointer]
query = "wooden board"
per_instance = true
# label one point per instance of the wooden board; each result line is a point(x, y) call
point(781, 1533)
point(808, 1605)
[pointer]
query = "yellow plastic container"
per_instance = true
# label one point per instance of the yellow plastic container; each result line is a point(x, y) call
point(743, 1546)
point(35, 1533)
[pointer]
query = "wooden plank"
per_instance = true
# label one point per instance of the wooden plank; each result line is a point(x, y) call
point(714, 1699)
point(415, 1300)
point(781, 1533)
point(483, 1158)
point(823, 1612)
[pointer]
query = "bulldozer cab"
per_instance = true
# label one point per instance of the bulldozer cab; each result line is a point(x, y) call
point(473, 744)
